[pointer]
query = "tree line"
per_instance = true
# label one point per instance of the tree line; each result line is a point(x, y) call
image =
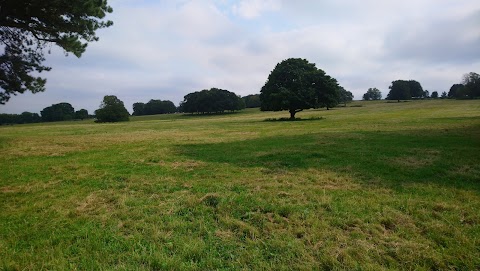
point(72, 25)
point(154, 107)
point(55, 112)
point(469, 88)
point(293, 85)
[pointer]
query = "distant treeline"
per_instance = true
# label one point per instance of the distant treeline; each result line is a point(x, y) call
point(469, 88)
point(210, 101)
point(154, 107)
point(25, 117)
point(252, 101)
point(55, 112)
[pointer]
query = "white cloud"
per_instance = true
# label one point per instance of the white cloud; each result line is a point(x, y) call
point(250, 9)
point(164, 50)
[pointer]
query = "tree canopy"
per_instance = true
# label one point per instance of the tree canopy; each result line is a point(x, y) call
point(456, 91)
point(154, 107)
point(81, 114)
point(25, 117)
point(295, 85)
point(471, 81)
point(212, 100)
point(405, 90)
point(27, 28)
point(252, 101)
point(58, 112)
point(372, 94)
point(111, 109)
point(345, 96)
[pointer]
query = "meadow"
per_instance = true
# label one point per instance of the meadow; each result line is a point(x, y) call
point(370, 186)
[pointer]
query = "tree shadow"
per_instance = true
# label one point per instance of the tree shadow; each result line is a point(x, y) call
point(392, 158)
point(295, 119)
point(199, 115)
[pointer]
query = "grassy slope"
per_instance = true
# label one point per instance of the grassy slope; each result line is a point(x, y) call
point(383, 186)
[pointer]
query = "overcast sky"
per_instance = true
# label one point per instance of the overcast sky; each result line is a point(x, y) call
point(167, 49)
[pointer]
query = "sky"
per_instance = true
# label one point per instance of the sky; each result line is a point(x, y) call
point(167, 49)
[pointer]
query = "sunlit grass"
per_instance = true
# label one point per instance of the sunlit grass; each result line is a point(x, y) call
point(376, 186)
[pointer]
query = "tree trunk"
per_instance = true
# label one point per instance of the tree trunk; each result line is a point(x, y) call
point(292, 114)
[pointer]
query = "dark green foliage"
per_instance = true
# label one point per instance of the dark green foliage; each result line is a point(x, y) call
point(8, 119)
point(372, 94)
point(444, 95)
point(426, 94)
point(405, 90)
point(457, 91)
point(81, 114)
point(25, 117)
point(295, 85)
point(29, 27)
point(111, 110)
point(471, 81)
point(210, 101)
point(416, 90)
point(58, 112)
point(252, 101)
point(154, 107)
point(138, 109)
point(434, 95)
point(345, 96)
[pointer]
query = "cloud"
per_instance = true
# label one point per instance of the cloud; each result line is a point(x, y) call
point(166, 49)
point(250, 9)
point(452, 40)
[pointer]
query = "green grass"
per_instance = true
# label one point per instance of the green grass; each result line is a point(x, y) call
point(370, 186)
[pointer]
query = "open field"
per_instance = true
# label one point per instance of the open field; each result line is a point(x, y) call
point(373, 186)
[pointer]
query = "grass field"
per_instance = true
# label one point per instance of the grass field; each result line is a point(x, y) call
point(370, 186)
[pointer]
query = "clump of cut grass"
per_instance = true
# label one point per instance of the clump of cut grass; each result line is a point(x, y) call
point(211, 200)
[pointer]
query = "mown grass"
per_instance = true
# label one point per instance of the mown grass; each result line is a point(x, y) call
point(372, 187)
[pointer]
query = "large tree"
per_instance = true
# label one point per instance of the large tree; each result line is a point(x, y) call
point(212, 100)
point(345, 96)
point(372, 94)
point(471, 81)
point(295, 85)
point(81, 114)
point(138, 109)
point(456, 91)
point(111, 109)
point(154, 107)
point(28, 28)
point(58, 112)
point(405, 90)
